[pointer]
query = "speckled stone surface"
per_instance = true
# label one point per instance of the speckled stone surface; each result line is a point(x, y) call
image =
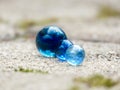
point(101, 58)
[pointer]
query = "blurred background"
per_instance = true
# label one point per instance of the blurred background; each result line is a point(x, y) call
point(88, 20)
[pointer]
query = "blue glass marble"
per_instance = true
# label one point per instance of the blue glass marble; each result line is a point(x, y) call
point(49, 39)
point(60, 54)
point(75, 55)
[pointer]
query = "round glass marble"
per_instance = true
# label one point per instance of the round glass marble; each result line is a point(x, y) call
point(49, 39)
point(75, 55)
point(60, 54)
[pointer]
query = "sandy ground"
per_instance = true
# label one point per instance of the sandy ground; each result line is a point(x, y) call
point(101, 58)
point(99, 38)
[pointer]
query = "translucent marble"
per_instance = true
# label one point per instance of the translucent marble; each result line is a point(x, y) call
point(60, 54)
point(49, 39)
point(75, 55)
